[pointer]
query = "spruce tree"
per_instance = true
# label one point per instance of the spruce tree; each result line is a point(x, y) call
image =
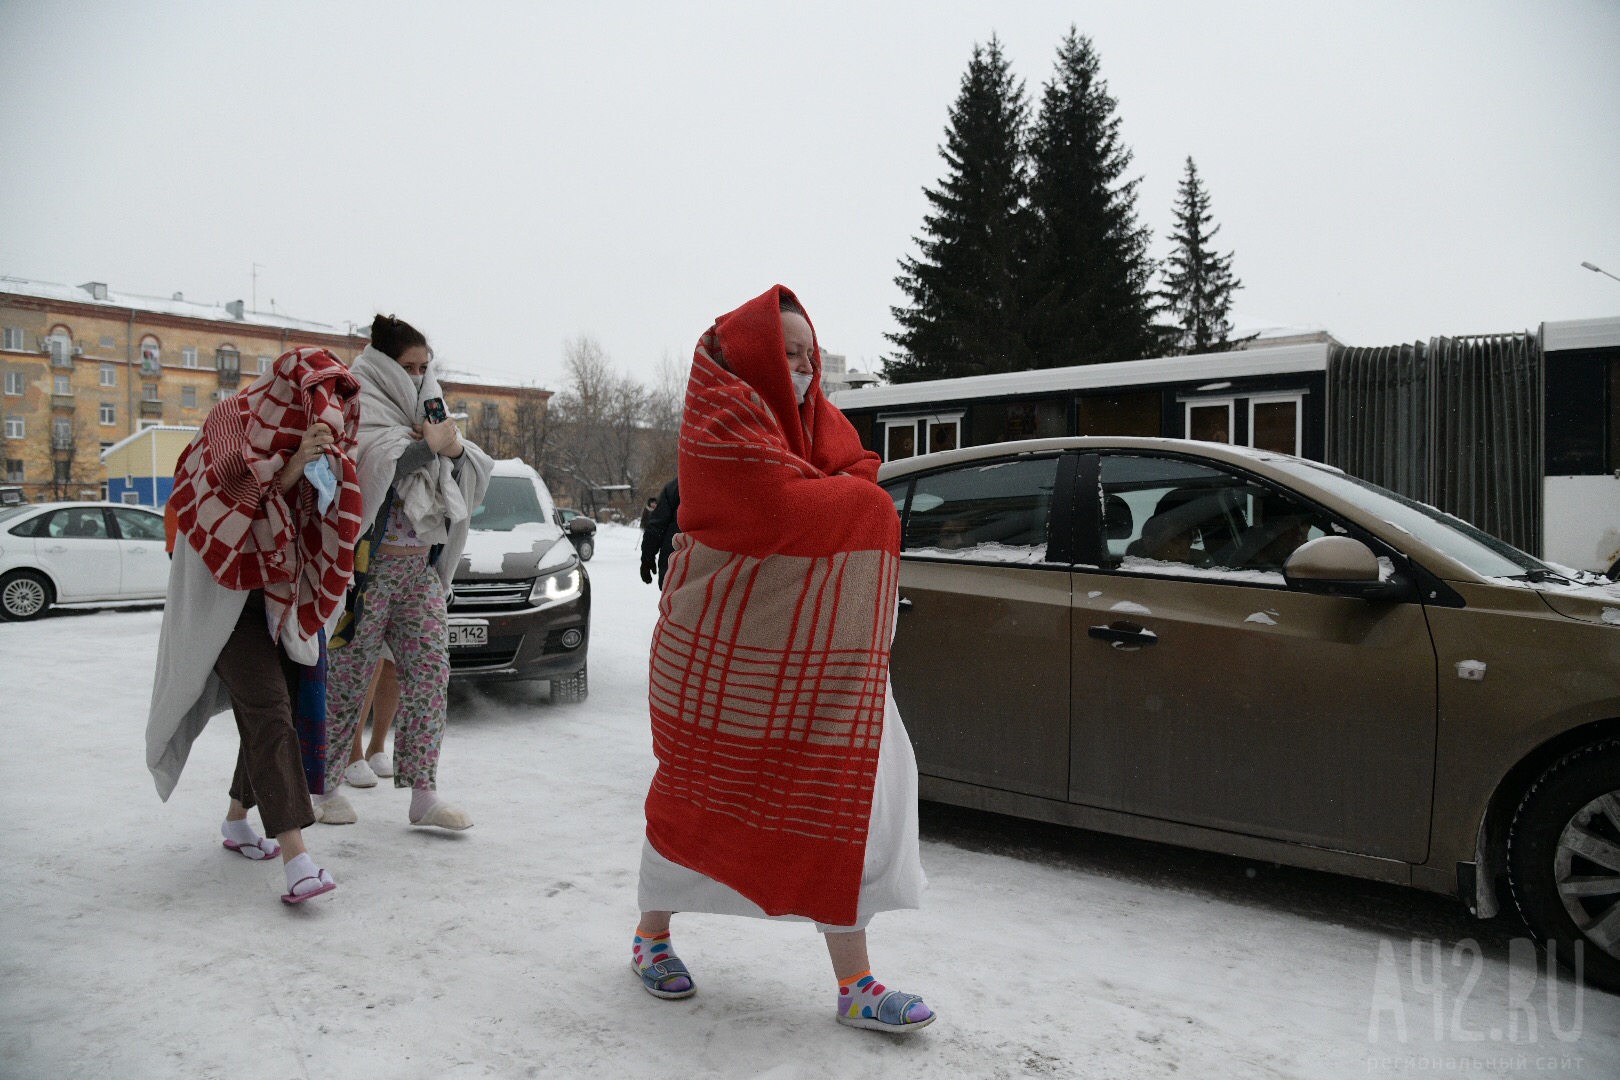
point(965, 316)
point(1198, 280)
point(1089, 289)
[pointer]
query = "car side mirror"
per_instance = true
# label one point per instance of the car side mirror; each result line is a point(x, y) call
point(581, 526)
point(1341, 566)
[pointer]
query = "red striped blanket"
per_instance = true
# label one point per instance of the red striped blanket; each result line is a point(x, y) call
point(231, 510)
point(770, 659)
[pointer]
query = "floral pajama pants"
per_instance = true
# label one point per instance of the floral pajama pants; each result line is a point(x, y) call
point(404, 608)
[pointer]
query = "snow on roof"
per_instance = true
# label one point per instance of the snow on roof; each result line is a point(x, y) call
point(144, 433)
point(460, 376)
point(1266, 360)
point(86, 294)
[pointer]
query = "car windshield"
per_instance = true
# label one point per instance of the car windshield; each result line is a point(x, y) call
point(511, 501)
point(1481, 552)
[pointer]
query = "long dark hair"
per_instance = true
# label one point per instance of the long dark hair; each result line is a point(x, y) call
point(391, 336)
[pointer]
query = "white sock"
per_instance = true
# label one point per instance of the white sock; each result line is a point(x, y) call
point(299, 868)
point(422, 801)
point(239, 832)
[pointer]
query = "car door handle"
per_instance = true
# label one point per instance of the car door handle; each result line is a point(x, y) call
point(1124, 635)
point(56, 549)
point(905, 604)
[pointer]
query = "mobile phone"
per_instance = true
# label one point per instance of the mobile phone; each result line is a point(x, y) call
point(433, 409)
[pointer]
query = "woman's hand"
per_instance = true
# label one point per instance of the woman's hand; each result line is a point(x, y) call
point(316, 441)
point(443, 437)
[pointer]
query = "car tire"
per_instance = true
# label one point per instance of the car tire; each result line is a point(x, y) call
point(1573, 807)
point(24, 595)
point(587, 548)
point(570, 689)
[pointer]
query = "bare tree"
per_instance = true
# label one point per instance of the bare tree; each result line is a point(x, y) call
point(597, 426)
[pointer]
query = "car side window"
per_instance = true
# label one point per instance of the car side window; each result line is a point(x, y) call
point(1167, 515)
point(138, 524)
point(34, 526)
point(75, 523)
point(998, 512)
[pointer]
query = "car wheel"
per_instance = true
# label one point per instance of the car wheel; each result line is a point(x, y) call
point(1564, 860)
point(25, 594)
point(587, 548)
point(569, 689)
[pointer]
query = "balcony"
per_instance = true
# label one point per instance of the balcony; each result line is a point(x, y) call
point(152, 408)
point(60, 441)
point(62, 401)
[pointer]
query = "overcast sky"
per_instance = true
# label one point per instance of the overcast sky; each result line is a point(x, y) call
point(507, 176)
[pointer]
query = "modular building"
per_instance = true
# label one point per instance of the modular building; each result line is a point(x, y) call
point(140, 467)
point(1517, 433)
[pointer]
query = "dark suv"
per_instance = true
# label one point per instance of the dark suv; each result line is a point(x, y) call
point(520, 605)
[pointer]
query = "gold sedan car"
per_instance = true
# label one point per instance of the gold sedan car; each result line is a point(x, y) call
point(1258, 654)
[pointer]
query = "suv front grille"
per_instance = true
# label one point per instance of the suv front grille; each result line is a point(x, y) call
point(474, 596)
point(500, 652)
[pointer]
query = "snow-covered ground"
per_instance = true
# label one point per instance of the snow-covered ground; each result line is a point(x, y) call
point(133, 945)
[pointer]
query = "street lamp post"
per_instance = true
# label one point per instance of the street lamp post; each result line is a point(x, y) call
point(1598, 270)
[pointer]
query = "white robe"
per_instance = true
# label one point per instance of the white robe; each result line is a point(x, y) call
point(891, 878)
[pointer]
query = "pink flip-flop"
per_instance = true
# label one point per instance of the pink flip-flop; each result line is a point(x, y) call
point(326, 885)
point(259, 845)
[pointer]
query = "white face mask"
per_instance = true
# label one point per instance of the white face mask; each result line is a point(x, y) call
point(801, 385)
point(416, 381)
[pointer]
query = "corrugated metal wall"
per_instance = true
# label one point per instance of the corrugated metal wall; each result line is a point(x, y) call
point(1455, 422)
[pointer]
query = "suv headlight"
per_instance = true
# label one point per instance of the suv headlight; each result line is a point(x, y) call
point(557, 588)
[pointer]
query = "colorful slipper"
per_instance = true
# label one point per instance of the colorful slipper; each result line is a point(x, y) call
point(323, 884)
point(654, 977)
point(258, 850)
point(893, 1013)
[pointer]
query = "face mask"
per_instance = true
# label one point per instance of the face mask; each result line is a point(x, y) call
point(801, 385)
point(416, 381)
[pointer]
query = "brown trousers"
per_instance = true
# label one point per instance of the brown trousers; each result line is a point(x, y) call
point(263, 684)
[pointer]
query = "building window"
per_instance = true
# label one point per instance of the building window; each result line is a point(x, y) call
point(460, 410)
point(491, 418)
point(188, 357)
point(1122, 414)
point(108, 343)
point(62, 433)
point(62, 386)
point(150, 423)
point(149, 392)
point(109, 413)
point(14, 471)
point(61, 349)
point(109, 375)
point(912, 435)
point(107, 444)
point(14, 383)
point(64, 472)
point(14, 338)
point(264, 363)
point(228, 362)
point(1210, 421)
point(152, 355)
point(188, 397)
point(1275, 423)
point(14, 427)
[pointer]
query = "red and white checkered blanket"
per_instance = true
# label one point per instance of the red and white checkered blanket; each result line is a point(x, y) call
point(229, 505)
point(770, 660)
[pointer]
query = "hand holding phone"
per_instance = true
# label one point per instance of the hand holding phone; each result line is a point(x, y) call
point(433, 408)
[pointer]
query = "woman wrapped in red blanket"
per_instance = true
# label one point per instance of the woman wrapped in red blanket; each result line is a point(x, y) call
point(786, 786)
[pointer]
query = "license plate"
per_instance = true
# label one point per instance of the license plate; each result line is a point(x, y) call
point(464, 634)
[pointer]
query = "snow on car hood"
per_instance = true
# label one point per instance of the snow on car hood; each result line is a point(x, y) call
point(521, 553)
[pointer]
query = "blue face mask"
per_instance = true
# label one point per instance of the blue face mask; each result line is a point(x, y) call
point(323, 480)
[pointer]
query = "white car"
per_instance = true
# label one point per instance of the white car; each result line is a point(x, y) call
point(77, 552)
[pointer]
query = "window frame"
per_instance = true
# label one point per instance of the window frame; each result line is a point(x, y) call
point(117, 525)
point(920, 425)
point(185, 392)
point(21, 424)
point(1189, 404)
point(19, 380)
point(108, 414)
point(1092, 546)
point(1298, 400)
point(14, 339)
point(188, 356)
point(1060, 530)
point(107, 377)
point(61, 385)
point(19, 477)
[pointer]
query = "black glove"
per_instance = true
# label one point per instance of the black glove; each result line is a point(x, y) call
point(647, 570)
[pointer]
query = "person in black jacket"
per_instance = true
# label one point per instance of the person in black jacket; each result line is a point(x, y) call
point(658, 531)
